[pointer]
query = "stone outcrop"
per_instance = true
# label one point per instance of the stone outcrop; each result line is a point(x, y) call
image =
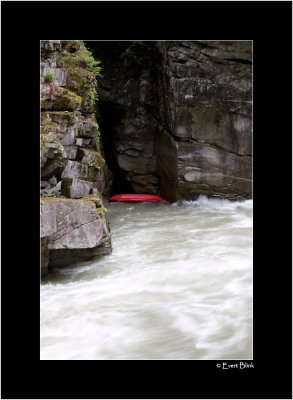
point(71, 160)
point(68, 225)
point(176, 117)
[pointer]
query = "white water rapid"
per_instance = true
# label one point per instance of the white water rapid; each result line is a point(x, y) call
point(178, 285)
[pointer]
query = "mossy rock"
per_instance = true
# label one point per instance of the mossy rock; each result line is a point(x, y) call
point(68, 101)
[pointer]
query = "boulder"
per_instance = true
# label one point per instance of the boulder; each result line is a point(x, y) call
point(71, 225)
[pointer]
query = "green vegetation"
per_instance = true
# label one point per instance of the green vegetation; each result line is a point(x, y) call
point(82, 69)
point(78, 56)
point(93, 96)
point(96, 65)
point(49, 77)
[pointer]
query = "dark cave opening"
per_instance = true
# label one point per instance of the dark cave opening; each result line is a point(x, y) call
point(110, 114)
point(132, 88)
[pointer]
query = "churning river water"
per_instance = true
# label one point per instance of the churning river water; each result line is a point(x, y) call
point(177, 286)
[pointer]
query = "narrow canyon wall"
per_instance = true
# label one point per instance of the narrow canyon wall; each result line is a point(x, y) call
point(73, 222)
point(176, 117)
point(210, 118)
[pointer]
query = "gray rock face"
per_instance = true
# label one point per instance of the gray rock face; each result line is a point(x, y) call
point(72, 225)
point(178, 117)
point(210, 117)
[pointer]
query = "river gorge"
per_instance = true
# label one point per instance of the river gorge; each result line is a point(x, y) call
point(144, 281)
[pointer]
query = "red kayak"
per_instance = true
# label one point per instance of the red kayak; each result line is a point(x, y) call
point(136, 198)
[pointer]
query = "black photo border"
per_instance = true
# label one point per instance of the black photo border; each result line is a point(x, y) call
point(269, 25)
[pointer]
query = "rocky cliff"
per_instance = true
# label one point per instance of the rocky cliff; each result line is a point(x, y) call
point(176, 117)
point(73, 222)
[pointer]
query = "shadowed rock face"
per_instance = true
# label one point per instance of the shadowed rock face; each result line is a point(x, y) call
point(176, 117)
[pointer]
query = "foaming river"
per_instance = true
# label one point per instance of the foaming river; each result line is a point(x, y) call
point(177, 286)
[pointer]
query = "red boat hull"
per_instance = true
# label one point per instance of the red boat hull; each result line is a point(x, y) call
point(136, 198)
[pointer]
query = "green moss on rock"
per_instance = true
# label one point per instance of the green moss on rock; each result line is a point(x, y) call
point(68, 101)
